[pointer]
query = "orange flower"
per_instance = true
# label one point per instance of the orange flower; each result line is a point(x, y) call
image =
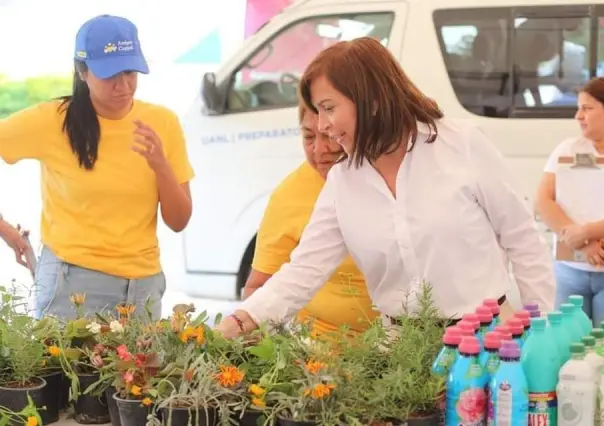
point(31, 421)
point(135, 390)
point(229, 376)
point(193, 333)
point(315, 367)
point(125, 309)
point(146, 401)
point(257, 402)
point(54, 351)
point(188, 375)
point(77, 299)
point(256, 390)
point(320, 391)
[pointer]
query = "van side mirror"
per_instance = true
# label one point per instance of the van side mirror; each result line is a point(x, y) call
point(212, 94)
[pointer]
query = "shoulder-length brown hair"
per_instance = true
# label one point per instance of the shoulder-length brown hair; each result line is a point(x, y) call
point(388, 104)
point(595, 88)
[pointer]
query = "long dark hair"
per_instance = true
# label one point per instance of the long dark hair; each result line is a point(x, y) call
point(81, 123)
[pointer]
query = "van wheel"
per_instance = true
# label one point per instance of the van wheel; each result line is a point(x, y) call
point(246, 267)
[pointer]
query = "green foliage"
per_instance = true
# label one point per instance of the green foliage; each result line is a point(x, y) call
point(17, 95)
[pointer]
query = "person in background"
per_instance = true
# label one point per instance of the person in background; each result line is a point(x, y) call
point(584, 278)
point(418, 198)
point(343, 300)
point(108, 161)
point(15, 240)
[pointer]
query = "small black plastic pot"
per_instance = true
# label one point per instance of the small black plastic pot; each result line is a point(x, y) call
point(290, 422)
point(90, 409)
point(131, 411)
point(431, 420)
point(114, 413)
point(189, 416)
point(250, 417)
point(51, 396)
point(15, 399)
point(64, 390)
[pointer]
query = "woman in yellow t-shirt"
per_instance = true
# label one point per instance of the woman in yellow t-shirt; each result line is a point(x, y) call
point(107, 162)
point(344, 299)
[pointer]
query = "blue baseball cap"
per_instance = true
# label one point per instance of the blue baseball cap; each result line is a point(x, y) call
point(109, 45)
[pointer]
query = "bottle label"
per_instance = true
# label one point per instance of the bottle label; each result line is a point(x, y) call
point(503, 403)
point(469, 409)
point(543, 409)
point(446, 359)
point(492, 363)
point(474, 369)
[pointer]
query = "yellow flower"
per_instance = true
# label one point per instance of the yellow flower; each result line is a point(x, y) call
point(125, 309)
point(256, 390)
point(193, 333)
point(257, 402)
point(320, 391)
point(135, 390)
point(54, 351)
point(315, 367)
point(31, 421)
point(229, 376)
point(77, 299)
point(147, 401)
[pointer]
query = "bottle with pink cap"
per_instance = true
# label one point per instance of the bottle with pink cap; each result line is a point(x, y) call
point(489, 358)
point(448, 354)
point(466, 387)
point(517, 329)
point(493, 305)
point(525, 319)
point(485, 316)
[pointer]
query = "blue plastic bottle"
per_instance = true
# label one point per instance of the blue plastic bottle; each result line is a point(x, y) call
point(561, 336)
point(489, 357)
point(570, 322)
point(586, 324)
point(448, 354)
point(473, 319)
point(541, 362)
point(466, 387)
point(485, 317)
point(525, 319)
point(493, 305)
point(508, 389)
point(517, 330)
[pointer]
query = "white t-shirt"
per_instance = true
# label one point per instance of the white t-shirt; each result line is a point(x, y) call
point(578, 209)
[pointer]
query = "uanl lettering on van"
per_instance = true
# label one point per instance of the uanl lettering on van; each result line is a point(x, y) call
point(269, 134)
point(210, 139)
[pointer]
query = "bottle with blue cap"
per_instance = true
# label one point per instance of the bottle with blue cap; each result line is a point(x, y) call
point(577, 391)
point(508, 389)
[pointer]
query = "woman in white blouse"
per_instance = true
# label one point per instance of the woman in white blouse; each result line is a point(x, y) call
point(575, 223)
point(418, 197)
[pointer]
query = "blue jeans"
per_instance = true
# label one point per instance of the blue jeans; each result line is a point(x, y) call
point(588, 284)
point(56, 280)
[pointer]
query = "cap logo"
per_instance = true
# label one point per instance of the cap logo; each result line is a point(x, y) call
point(81, 54)
point(110, 48)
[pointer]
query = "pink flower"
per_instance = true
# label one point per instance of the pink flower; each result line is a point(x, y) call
point(122, 352)
point(128, 377)
point(471, 405)
point(96, 361)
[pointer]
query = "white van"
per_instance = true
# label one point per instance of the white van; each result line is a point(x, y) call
point(513, 66)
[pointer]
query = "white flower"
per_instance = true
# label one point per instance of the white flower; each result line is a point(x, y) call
point(116, 327)
point(94, 327)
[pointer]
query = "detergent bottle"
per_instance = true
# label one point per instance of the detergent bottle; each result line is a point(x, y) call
point(571, 323)
point(493, 305)
point(517, 330)
point(525, 319)
point(448, 353)
point(485, 316)
point(561, 336)
point(586, 324)
point(489, 357)
point(576, 390)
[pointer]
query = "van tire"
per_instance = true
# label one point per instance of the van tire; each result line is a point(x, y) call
point(246, 267)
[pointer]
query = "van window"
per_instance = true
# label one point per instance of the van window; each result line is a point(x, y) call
point(269, 78)
point(519, 62)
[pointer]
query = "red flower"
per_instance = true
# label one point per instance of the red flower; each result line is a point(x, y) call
point(122, 352)
point(139, 360)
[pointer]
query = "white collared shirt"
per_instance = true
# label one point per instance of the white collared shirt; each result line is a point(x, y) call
point(454, 212)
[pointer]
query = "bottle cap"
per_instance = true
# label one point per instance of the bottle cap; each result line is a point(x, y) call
point(576, 300)
point(554, 317)
point(509, 349)
point(531, 307)
point(515, 326)
point(493, 305)
point(577, 348)
point(538, 324)
point(467, 329)
point(588, 341)
point(484, 314)
point(504, 332)
point(567, 308)
point(598, 333)
point(524, 317)
point(535, 314)
point(452, 336)
point(492, 340)
point(469, 345)
point(472, 319)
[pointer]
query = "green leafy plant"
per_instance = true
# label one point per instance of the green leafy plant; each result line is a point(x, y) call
point(17, 95)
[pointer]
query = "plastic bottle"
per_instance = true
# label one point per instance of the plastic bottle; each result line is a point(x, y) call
point(525, 320)
point(561, 336)
point(533, 308)
point(517, 330)
point(485, 316)
point(466, 387)
point(448, 353)
point(467, 328)
point(541, 363)
point(489, 358)
point(598, 334)
point(569, 321)
point(472, 319)
point(586, 324)
point(493, 305)
point(504, 331)
point(595, 360)
point(576, 390)
point(508, 389)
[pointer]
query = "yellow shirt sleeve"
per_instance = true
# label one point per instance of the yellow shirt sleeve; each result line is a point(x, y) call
point(176, 150)
point(23, 134)
point(277, 236)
